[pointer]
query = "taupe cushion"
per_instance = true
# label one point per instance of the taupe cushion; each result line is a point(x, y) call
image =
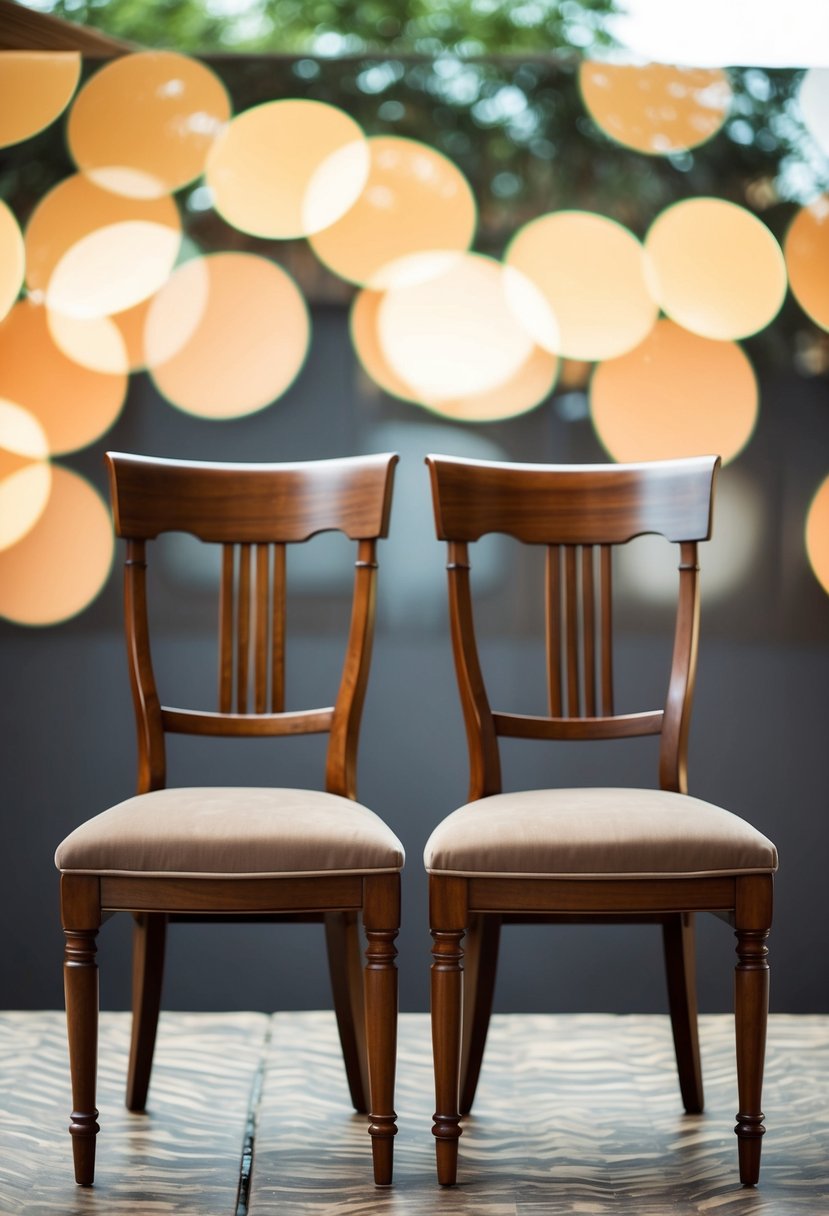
point(232, 833)
point(596, 833)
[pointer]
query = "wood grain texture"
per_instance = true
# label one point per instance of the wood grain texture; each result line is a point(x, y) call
point(547, 504)
point(245, 508)
point(248, 502)
point(607, 1121)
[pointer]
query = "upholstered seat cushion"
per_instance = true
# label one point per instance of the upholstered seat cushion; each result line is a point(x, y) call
point(232, 832)
point(588, 833)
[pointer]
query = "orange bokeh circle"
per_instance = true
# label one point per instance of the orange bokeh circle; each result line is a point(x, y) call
point(227, 335)
point(366, 341)
point(715, 269)
point(525, 389)
point(73, 404)
point(655, 108)
point(25, 473)
point(453, 333)
point(143, 124)
point(817, 534)
point(531, 384)
point(591, 273)
point(62, 563)
point(806, 249)
point(12, 259)
point(76, 208)
point(287, 168)
point(35, 88)
point(415, 200)
point(677, 394)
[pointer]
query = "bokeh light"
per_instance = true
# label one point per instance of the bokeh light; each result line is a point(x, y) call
point(76, 208)
point(591, 272)
point(655, 108)
point(647, 568)
point(287, 168)
point(73, 404)
point(366, 341)
point(35, 88)
point(813, 96)
point(715, 269)
point(525, 389)
point(12, 259)
point(806, 248)
point(414, 200)
point(113, 269)
point(454, 333)
point(62, 563)
point(25, 473)
point(143, 124)
point(817, 535)
point(95, 342)
point(677, 394)
point(226, 335)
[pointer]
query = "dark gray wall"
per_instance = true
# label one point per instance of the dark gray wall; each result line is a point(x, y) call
point(759, 743)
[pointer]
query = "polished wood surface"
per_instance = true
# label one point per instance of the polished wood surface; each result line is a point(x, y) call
point(580, 513)
point(574, 505)
point(253, 511)
point(604, 1132)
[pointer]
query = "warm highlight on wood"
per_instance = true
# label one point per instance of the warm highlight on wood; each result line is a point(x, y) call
point(579, 513)
point(252, 512)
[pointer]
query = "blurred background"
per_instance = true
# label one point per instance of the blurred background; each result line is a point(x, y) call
point(552, 232)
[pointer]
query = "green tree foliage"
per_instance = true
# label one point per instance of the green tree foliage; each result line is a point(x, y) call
point(423, 27)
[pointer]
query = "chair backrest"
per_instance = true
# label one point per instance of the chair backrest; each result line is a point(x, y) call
point(579, 512)
point(253, 511)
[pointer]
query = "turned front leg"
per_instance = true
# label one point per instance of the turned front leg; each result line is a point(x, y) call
point(80, 973)
point(381, 918)
point(751, 1003)
point(751, 1006)
point(447, 897)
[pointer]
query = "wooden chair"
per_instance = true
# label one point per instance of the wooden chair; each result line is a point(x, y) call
point(586, 854)
point(224, 853)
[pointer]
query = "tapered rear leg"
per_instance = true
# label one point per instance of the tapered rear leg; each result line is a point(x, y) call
point(381, 917)
point(148, 945)
point(342, 938)
point(678, 938)
point(81, 917)
point(480, 963)
point(751, 1006)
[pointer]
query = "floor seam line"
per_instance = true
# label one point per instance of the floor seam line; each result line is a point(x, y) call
point(249, 1142)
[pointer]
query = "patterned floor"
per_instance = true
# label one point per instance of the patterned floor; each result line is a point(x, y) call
point(575, 1115)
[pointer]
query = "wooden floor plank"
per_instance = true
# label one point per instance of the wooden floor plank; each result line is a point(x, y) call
point(575, 1114)
point(181, 1157)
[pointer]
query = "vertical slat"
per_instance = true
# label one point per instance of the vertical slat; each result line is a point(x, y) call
point(226, 631)
point(278, 632)
point(606, 629)
point(552, 608)
point(589, 630)
point(572, 631)
point(243, 631)
point(260, 654)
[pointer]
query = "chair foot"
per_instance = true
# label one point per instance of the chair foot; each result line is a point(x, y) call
point(750, 1133)
point(447, 1132)
point(382, 1151)
point(84, 1129)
